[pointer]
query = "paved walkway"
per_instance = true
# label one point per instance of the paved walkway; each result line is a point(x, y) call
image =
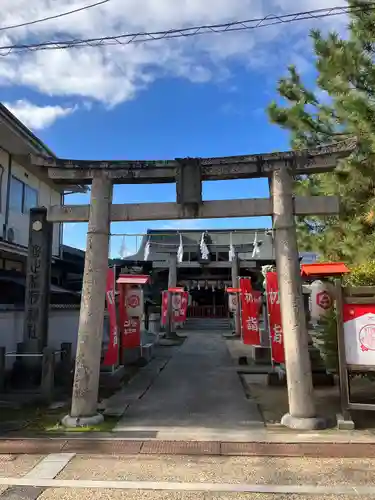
point(196, 396)
point(66, 476)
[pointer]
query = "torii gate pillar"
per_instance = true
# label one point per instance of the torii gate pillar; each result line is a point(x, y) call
point(172, 283)
point(90, 332)
point(302, 414)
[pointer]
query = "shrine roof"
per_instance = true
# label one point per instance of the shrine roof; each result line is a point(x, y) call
point(133, 279)
point(324, 269)
point(165, 242)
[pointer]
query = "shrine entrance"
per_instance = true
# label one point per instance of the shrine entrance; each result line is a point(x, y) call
point(208, 303)
point(188, 174)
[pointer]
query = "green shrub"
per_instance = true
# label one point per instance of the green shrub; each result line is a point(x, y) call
point(361, 275)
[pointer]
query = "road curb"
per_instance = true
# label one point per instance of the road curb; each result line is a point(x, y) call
point(197, 448)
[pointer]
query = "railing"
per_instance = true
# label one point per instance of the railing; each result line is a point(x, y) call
point(207, 312)
point(48, 363)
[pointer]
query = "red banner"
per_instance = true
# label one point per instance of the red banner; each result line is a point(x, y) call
point(132, 333)
point(249, 313)
point(164, 307)
point(180, 305)
point(130, 326)
point(274, 315)
point(111, 356)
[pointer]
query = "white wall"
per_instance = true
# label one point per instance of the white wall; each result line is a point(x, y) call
point(63, 327)
point(18, 221)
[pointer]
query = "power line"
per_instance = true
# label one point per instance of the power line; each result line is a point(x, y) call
point(57, 16)
point(141, 37)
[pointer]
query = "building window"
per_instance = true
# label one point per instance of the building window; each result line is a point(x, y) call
point(22, 196)
point(30, 199)
point(16, 195)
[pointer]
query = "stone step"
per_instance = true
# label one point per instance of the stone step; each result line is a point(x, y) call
point(208, 321)
point(208, 324)
point(211, 320)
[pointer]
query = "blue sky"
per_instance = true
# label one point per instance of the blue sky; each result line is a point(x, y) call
point(204, 97)
point(175, 118)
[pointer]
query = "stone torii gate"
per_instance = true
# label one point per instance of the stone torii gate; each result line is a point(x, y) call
point(188, 174)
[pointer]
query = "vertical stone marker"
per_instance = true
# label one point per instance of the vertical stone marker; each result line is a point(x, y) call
point(38, 279)
point(90, 333)
point(302, 414)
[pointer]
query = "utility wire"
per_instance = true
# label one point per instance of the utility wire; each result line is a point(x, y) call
point(140, 37)
point(57, 16)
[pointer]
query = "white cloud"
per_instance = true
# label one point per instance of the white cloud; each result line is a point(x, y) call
point(37, 117)
point(114, 74)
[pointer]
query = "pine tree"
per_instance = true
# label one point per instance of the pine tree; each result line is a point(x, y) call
point(346, 79)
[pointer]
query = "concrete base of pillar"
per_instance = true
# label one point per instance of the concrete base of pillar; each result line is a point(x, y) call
point(303, 424)
point(148, 351)
point(27, 370)
point(30, 347)
point(261, 355)
point(345, 423)
point(74, 422)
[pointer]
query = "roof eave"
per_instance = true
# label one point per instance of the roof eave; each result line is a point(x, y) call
point(25, 132)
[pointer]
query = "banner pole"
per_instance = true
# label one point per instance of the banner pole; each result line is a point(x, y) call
point(269, 328)
point(239, 305)
point(114, 298)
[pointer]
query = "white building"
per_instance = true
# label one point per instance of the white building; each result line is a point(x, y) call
point(22, 187)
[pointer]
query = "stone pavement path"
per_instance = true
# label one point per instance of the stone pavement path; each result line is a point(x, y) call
point(68, 476)
point(196, 396)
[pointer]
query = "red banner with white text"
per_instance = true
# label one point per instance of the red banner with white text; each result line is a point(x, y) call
point(180, 302)
point(249, 313)
point(274, 315)
point(164, 307)
point(130, 325)
point(111, 356)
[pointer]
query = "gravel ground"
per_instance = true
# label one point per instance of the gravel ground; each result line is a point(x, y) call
point(20, 466)
point(254, 470)
point(57, 494)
